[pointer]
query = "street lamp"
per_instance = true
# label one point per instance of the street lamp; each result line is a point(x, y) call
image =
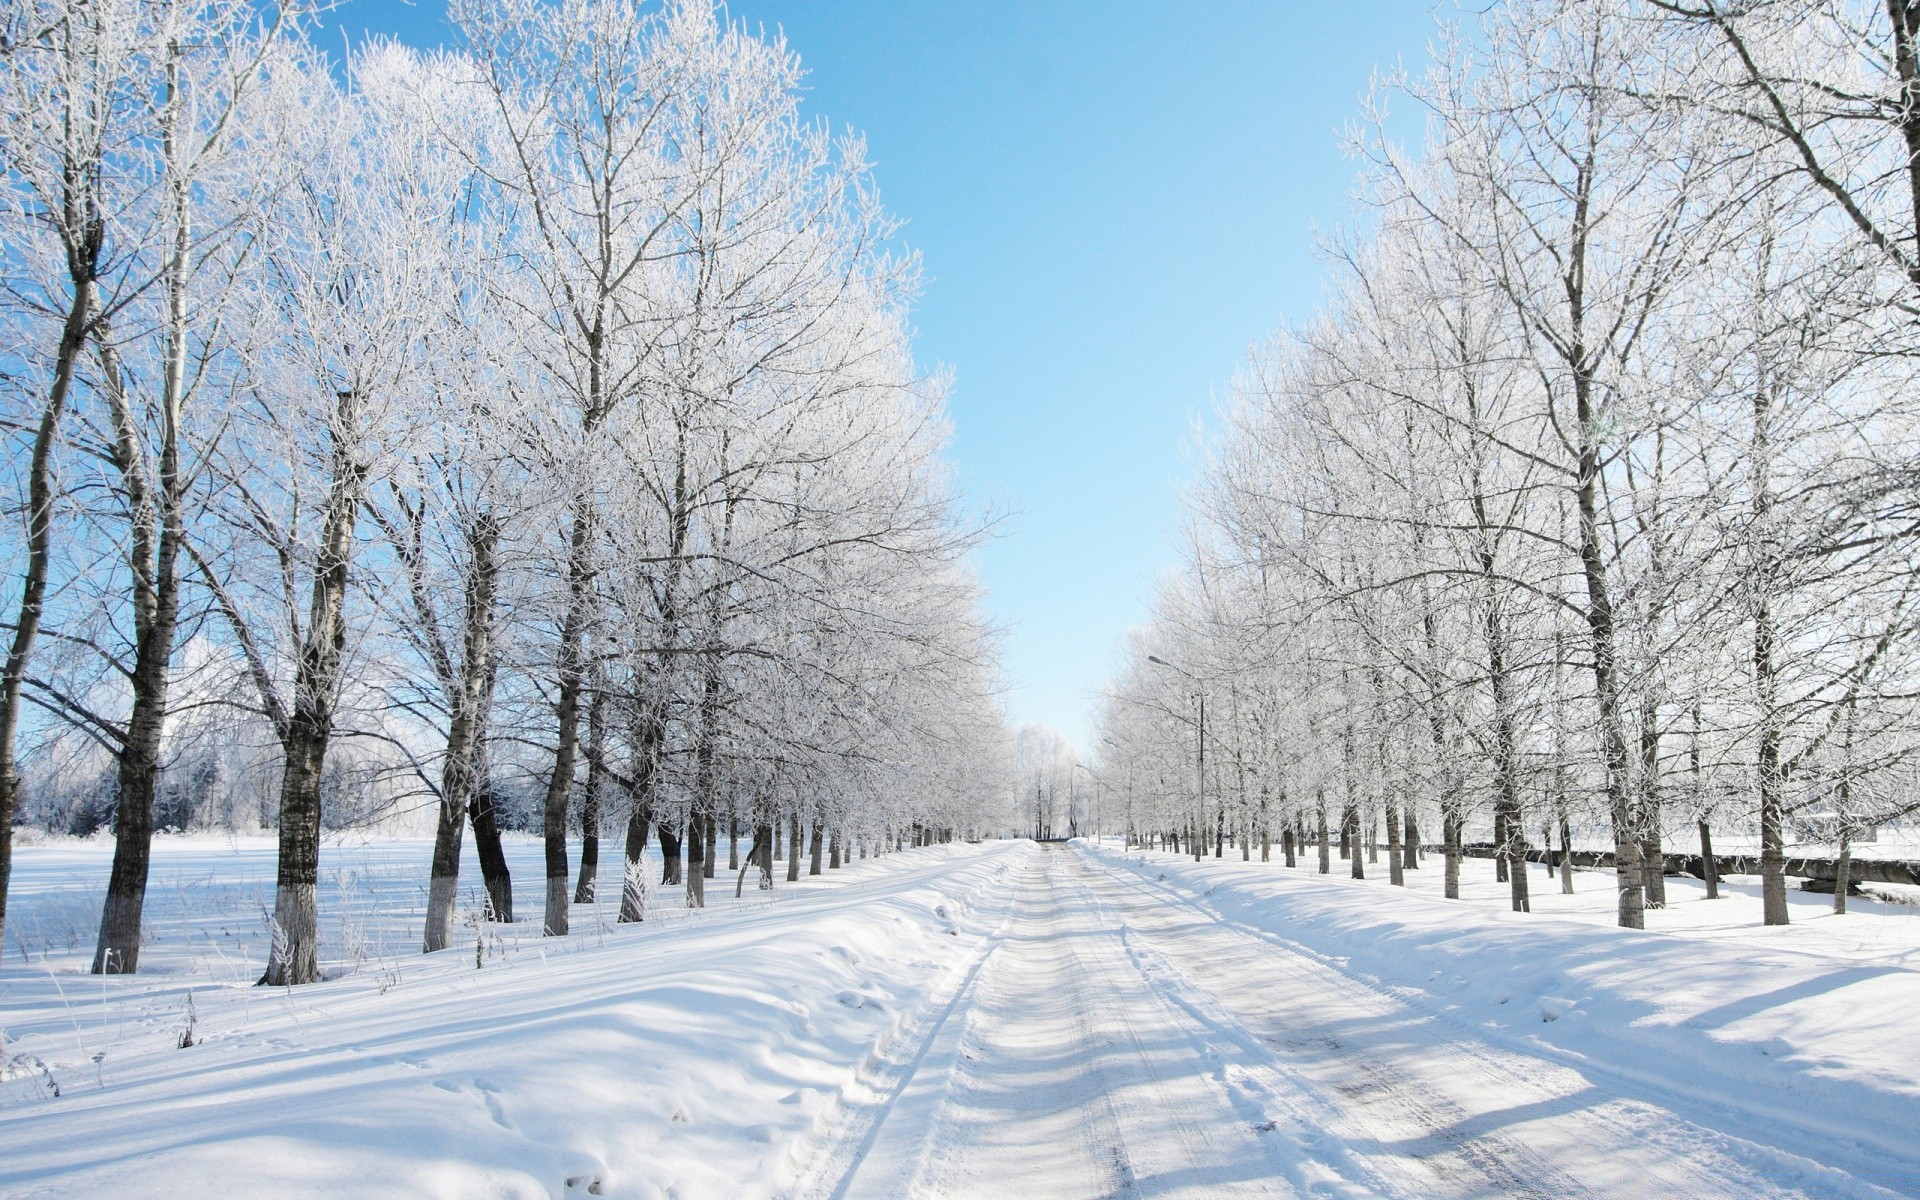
point(1107, 741)
point(1200, 744)
point(1095, 781)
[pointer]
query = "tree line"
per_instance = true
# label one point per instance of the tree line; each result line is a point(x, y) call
point(1587, 501)
point(534, 419)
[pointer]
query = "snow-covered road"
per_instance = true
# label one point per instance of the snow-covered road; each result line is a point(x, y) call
point(1117, 1038)
point(1004, 1020)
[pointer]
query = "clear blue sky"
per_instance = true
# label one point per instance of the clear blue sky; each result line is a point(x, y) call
point(1113, 198)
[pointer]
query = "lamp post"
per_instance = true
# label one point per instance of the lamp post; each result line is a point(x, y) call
point(1200, 745)
point(1128, 844)
point(1094, 781)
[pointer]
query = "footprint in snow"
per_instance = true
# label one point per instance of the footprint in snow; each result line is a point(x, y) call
point(489, 1093)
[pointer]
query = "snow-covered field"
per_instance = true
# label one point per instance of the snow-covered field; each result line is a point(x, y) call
point(1003, 1020)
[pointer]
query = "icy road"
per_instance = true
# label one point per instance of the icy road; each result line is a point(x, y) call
point(1118, 1039)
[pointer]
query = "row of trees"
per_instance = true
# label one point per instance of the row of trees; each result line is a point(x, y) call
point(538, 417)
point(1588, 500)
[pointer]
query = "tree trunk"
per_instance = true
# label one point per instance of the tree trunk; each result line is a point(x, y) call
point(1709, 869)
point(456, 772)
point(697, 861)
point(1326, 857)
point(1517, 854)
point(1566, 856)
point(1843, 868)
point(819, 833)
point(1410, 841)
point(486, 842)
point(81, 260)
point(1509, 827)
point(566, 711)
point(833, 849)
point(293, 957)
point(153, 566)
point(647, 731)
point(1450, 838)
point(1600, 632)
point(670, 848)
point(309, 727)
point(1395, 874)
point(1773, 848)
point(583, 888)
point(1652, 851)
point(793, 845)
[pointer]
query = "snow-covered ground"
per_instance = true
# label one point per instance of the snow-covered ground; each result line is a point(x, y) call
point(1003, 1020)
point(1875, 929)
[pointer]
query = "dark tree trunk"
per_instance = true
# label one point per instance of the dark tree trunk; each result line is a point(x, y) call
point(493, 856)
point(1566, 856)
point(1394, 861)
point(1843, 868)
point(648, 730)
point(1773, 842)
point(670, 848)
point(309, 727)
point(469, 697)
point(1450, 839)
point(793, 845)
point(633, 879)
point(86, 234)
point(1600, 629)
point(584, 886)
point(697, 861)
point(153, 565)
point(566, 711)
point(1326, 858)
point(1709, 869)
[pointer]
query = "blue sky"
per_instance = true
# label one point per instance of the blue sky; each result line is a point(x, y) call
point(1113, 199)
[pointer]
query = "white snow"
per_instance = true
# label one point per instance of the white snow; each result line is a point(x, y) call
point(1002, 1020)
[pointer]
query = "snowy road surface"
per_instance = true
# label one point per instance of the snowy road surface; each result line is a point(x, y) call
point(1003, 1020)
point(1117, 1040)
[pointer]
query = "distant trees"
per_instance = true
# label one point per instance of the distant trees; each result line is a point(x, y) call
point(544, 408)
point(1587, 500)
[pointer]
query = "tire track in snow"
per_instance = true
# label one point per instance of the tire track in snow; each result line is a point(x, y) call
point(1072, 1075)
point(825, 1162)
point(1495, 1166)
